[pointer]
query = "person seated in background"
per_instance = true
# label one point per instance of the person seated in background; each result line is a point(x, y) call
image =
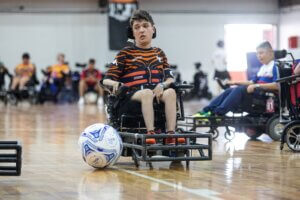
point(24, 72)
point(59, 70)
point(3, 72)
point(233, 97)
point(146, 71)
point(90, 78)
point(199, 76)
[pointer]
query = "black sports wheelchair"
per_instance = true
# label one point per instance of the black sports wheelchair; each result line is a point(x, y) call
point(132, 130)
point(254, 116)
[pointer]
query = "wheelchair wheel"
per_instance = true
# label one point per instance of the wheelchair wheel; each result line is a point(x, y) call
point(254, 132)
point(214, 132)
point(34, 99)
point(275, 128)
point(12, 99)
point(229, 134)
point(134, 158)
point(292, 135)
point(187, 154)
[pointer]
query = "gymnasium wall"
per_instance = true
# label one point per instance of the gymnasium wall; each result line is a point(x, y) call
point(187, 32)
point(290, 26)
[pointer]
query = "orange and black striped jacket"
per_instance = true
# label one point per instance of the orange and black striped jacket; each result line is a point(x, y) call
point(134, 67)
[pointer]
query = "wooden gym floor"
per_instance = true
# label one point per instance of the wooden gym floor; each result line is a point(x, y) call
point(53, 167)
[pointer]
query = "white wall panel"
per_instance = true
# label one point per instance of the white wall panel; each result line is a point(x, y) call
point(290, 26)
point(186, 38)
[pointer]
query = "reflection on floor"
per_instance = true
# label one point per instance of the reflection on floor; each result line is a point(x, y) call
point(53, 167)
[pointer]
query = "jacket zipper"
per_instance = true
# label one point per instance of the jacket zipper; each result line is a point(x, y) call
point(150, 76)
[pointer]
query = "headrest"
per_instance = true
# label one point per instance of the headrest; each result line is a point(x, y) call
point(278, 54)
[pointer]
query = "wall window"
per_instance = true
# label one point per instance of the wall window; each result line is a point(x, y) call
point(243, 38)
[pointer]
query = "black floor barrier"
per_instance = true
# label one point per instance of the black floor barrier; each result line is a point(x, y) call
point(10, 158)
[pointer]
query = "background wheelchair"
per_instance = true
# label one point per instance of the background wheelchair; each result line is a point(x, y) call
point(132, 130)
point(62, 90)
point(255, 116)
point(291, 131)
point(3, 91)
point(29, 93)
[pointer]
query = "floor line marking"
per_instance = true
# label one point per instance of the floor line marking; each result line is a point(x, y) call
point(209, 194)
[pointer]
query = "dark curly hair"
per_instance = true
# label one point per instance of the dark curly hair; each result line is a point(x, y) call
point(138, 15)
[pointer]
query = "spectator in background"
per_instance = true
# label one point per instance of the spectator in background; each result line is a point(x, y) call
point(198, 76)
point(200, 89)
point(219, 62)
point(24, 72)
point(89, 79)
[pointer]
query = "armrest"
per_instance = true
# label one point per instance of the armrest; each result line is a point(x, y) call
point(265, 92)
point(221, 84)
point(121, 92)
point(287, 79)
point(181, 86)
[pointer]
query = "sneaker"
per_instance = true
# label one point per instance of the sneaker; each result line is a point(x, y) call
point(202, 114)
point(150, 140)
point(173, 140)
point(81, 101)
point(181, 140)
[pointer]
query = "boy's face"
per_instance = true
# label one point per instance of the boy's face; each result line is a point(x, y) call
point(264, 55)
point(142, 31)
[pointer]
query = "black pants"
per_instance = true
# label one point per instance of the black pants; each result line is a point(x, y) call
point(222, 75)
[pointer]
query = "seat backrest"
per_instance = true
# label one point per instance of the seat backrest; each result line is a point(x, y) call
point(283, 70)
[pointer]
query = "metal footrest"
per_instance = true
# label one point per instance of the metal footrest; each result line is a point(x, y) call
point(137, 142)
point(10, 158)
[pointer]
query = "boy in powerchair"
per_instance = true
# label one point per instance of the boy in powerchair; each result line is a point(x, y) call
point(233, 97)
point(146, 71)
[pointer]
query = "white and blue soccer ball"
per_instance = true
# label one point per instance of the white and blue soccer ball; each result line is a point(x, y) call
point(101, 145)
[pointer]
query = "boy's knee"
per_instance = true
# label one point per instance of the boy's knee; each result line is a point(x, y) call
point(146, 95)
point(169, 94)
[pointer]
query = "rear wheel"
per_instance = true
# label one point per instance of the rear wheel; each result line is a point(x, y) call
point(214, 132)
point(229, 134)
point(12, 99)
point(292, 135)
